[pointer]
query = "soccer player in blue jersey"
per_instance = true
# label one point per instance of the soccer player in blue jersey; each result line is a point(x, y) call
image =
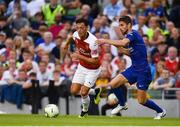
point(139, 72)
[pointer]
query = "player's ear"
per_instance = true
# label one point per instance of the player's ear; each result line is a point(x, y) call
point(88, 28)
point(129, 25)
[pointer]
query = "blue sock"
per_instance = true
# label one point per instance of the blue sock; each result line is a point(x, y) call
point(150, 104)
point(120, 95)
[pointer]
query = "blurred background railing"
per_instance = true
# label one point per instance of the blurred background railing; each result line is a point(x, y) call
point(170, 93)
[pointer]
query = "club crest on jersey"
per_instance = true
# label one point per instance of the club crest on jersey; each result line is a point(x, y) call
point(131, 49)
point(94, 52)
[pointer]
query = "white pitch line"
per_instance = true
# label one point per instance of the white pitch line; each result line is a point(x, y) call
point(90, 126)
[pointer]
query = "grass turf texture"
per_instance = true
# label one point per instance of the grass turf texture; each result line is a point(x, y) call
point(69, 120)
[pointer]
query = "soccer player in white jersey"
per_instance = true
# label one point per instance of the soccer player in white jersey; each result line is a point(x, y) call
point(89, 64)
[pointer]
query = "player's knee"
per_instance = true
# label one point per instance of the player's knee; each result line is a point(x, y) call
point(141, 101)
point(113, 85)
point(74, 91)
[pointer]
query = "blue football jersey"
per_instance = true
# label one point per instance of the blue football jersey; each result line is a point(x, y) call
point(138, 52)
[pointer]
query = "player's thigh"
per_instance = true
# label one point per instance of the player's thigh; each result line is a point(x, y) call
point(84, 91)
point(130, 75)
point(143, 80)
point(79, 76)
point(118, 81)
point(75, 88)
point(91, 77)
point(141, 96)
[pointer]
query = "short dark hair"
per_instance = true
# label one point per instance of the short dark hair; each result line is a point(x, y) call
point(82, 20)
point(126, 19)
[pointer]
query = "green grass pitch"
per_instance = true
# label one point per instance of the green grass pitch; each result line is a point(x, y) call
point(73, 120)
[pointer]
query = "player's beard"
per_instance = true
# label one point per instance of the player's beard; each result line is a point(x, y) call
point(124, 33)
point(84, 36)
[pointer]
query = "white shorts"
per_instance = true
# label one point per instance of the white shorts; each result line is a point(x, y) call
point(86, 76)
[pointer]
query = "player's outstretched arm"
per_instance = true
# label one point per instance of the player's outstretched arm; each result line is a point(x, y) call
point(68, 41)
point(124, 50)
point(117, 43)
point(64, 47)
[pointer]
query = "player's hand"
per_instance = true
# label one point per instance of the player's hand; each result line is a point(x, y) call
point(64, 47)
point(75, 56)
point(101, 41)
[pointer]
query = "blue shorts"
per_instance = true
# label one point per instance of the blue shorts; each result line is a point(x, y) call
point(143, 78)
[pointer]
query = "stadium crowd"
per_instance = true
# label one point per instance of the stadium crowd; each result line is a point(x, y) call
point(33, 34)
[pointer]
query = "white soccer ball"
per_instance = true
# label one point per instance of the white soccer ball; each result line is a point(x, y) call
point(51, 110)
point(112, 97)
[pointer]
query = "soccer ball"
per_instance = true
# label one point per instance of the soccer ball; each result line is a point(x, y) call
point(112, 97)
point(51, 110)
